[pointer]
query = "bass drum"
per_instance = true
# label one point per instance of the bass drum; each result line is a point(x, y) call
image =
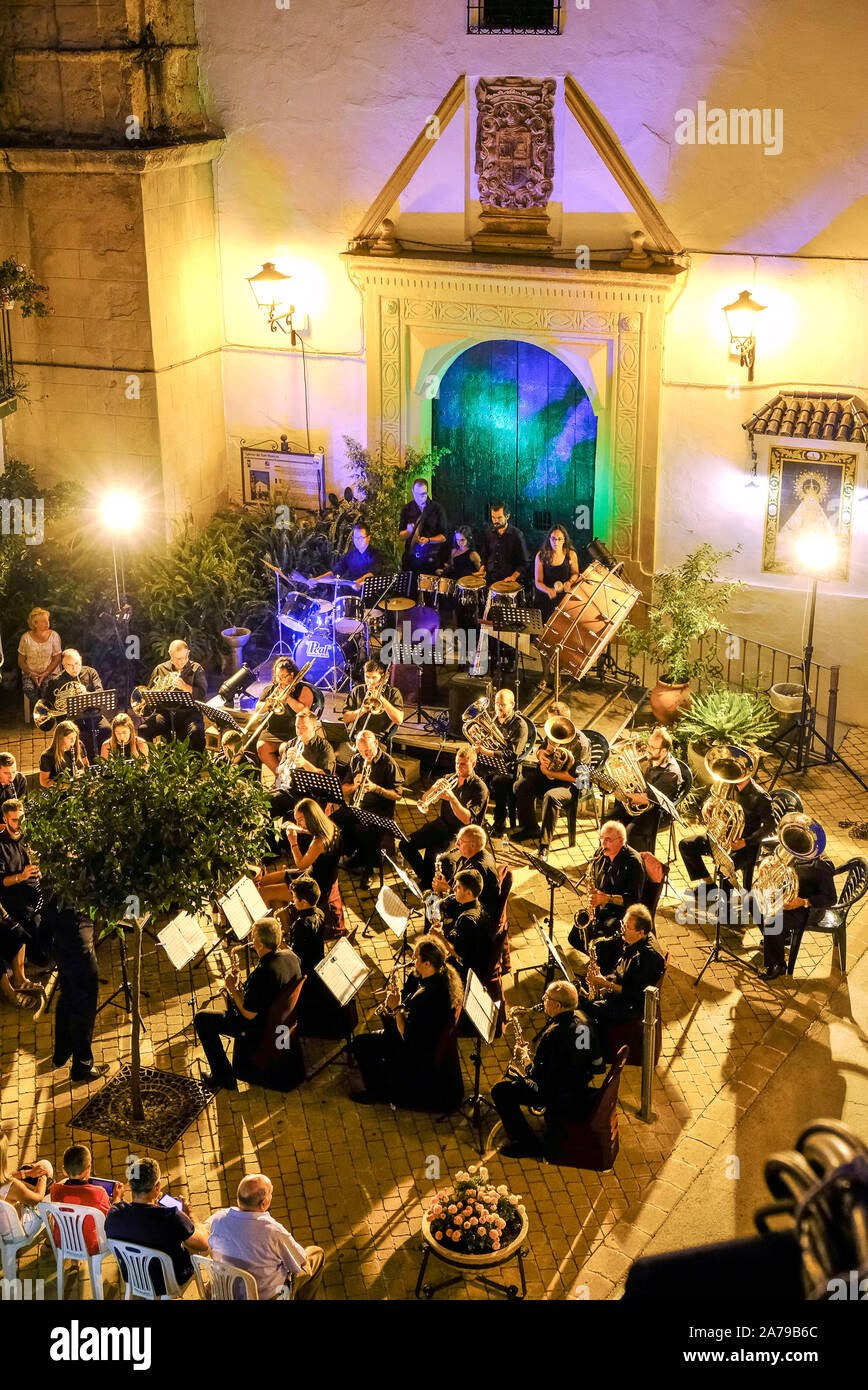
point(326, 658)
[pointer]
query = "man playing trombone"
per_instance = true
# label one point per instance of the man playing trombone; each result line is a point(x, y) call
point(375, 707)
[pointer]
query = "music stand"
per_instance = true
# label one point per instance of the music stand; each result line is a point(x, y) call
point(78, 706)
point(497, 763)
point(219, 716)
point(482, 1012)
point(182, 939)
point(724, 869)
point(555, 959)
point(523, 621)
point(343, 972)
point(555, 878)
point(125, 988)
point(408, 882)
point(397, 918)
point(317, 784)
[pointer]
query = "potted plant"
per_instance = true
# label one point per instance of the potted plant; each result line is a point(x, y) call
point(722, 715)
point(687, 601)
point(19, 289)
point(473, 1223)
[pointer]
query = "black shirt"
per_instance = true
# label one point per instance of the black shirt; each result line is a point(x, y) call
point(433, 524)
point(160, 1228)
point(15, 791)
point(485, 864)
point(378, 723)
point(633, 967)
point(759, 818)
point(68, 768)
point(63, 684)
point(384, 773)
point(473, 796)
point(319, 752)
point(354, 564)
point(264, 983)
point(305, 934)
point(463, 562)
point(192, 674)
point(564, 1061)
point(504, 553)
point(515, 731)
point(16, 897)
point(623, 877)
point(469, 935)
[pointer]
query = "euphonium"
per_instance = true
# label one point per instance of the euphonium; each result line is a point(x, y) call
point(727, 765)
point(624, 772)
point(443, 784)
point(481, 729)
point(775, 882)
point(559, 732)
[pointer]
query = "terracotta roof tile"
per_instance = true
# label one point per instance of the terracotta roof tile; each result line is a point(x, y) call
point(812, 415)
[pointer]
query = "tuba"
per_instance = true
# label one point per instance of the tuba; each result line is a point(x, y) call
point(481, 729)
point(623, 773)
point(722, 816)
point(559, 732)
point(800, 840)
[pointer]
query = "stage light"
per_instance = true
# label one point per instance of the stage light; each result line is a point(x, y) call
point(270, 289)
point(741, 320)
point(817, 551)
point(121, 512)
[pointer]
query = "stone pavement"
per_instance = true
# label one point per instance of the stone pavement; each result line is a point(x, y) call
point(731, 1082)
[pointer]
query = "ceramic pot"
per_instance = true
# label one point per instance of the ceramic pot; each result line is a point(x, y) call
point(457, 1257)
point(236, 639)
point(667, 700)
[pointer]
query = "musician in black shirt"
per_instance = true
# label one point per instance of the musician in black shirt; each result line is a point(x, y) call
point(815, 895)
point(556, 777)
point(513, 729)
point(73, 678)
point(315, 755)
point(466, 927)
point(567, 1055)
point(627, 963)
point(384, 782)
point(64, 756)
point(249, 1005)
point(422, 528)
point(618, 876)
point(471, 851)
point(504, 550)
point(464, 803)
point(758, 822)
point(463, 559)
point(413, 1062)
point(13, 784)
point(319, 1013)
point(642, 817)
point(360, 562)
point(375, 706)
point(182, 721)
point(20, 885)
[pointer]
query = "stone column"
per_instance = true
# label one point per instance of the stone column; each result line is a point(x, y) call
point(106, 192)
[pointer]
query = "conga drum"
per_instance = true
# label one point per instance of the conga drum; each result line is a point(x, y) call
point(469, 591)
point(426, 590)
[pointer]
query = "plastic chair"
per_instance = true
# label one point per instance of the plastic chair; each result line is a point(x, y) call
point(594, 1143)
point(225, 1279)
point(834, 919)
point(137, 1263)
point(70, 1219)
point(318, 705)
point(13, 1240)
point(599, 756)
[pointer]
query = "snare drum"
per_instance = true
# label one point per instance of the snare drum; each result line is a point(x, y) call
point(427, 590)
point(303, 614)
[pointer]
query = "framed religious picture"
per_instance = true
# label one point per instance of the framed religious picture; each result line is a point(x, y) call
point(810, 494)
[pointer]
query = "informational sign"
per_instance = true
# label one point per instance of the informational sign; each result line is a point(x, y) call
point(300, 478)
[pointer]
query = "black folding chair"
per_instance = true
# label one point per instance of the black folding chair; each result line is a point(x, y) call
point(834, 919)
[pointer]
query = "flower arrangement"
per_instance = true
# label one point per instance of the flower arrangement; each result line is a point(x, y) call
point(474, 1217)
point(19, 286)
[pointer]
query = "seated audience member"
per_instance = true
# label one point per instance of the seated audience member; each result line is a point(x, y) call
point(64, 756)
point(77, 1188)
point(144, 1221)
point(626, 964)
point(15, 987)
point(124, 742)
point(247, 1235)
point(38, 654)
point(25, 1189)
point(567, 1054)
point(247, 1013)
point(13, 784)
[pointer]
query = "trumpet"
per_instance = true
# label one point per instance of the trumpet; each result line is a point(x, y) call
point(286, 766)
point(481, 730)
point(443, 784)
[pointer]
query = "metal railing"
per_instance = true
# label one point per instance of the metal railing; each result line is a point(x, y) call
point(7, 366)
point(743, 664)
point(514, 16)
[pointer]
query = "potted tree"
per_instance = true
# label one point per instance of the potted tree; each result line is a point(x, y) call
point(742, 717)
point(130, 841)
point(687, 601)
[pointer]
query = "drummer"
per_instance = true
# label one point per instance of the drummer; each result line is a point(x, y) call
point(280, 727)
point(505, 562)
point(555, 570)
point(360, 562)
point(463, 559)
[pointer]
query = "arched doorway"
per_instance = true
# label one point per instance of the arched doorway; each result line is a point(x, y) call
point(520, 429)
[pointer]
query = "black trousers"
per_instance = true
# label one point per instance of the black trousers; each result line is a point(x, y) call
point(641, 826)
point(500, 787)
point(433, 839)
point(696, 851)
point(176, 724)
point(509, 1096)
point(78, 991)
point(210, 1027)
point(778, 931)
point(556, 797)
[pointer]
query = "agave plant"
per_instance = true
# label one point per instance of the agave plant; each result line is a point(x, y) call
point(727, 716)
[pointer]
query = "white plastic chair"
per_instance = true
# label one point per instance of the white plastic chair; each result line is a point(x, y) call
point(137, 1261)
point(70, 1219)
point(13, 1240)
point(224, 1280)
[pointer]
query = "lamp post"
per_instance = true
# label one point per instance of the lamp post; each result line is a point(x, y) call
point(741, 320)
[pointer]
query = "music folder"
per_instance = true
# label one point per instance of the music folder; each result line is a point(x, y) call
point(242, 905)
point(343, 971)
point(182, 939)
point(480, 1008)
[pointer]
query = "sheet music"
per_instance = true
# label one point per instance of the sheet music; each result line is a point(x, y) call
point(251, 898)
point(553, 952)
point(480, 1008)
point(343, 971)
point(182, 939)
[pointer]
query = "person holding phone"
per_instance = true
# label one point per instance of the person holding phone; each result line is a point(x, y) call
point(146, 1220)
point(25, 1189)
point(79, 1188)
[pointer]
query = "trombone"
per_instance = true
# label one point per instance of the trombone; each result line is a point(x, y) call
point(274, 704)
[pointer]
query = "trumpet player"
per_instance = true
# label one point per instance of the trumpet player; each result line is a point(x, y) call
point(554, 778)
point(74, 678)
point(566, 1056)
point(182, 721)
point(462, 801)
point(617, 883)
point(375, 782)
point(641, 815)
point(627, 963)
point(287, 699)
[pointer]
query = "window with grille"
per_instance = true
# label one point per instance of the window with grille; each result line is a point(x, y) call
point(514, 16)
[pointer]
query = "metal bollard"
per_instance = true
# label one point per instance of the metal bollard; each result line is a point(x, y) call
point(649, 1031)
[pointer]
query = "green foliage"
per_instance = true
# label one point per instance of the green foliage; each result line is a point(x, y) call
point(687, 602)
point(19, 286)
point(58, 574)
point(169, 835)
point(385, 485)
point(727, 716)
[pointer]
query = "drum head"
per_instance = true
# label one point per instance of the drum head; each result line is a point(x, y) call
point(317, 647)
point(471, 581)
point(506, 587)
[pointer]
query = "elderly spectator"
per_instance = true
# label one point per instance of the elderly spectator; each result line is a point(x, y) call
point(146, 1220)
point(38, 653)
point(247, 1236)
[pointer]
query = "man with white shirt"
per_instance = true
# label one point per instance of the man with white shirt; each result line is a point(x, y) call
point(245, 1235)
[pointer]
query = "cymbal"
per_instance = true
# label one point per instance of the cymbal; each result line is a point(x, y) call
point(398, 605)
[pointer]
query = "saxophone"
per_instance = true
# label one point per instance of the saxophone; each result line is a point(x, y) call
point(585, 914)
point(443, 784)
point(433, 911)
point(383, 1010)
point(362, 789)
point(520, 1061)
point(591, 988)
